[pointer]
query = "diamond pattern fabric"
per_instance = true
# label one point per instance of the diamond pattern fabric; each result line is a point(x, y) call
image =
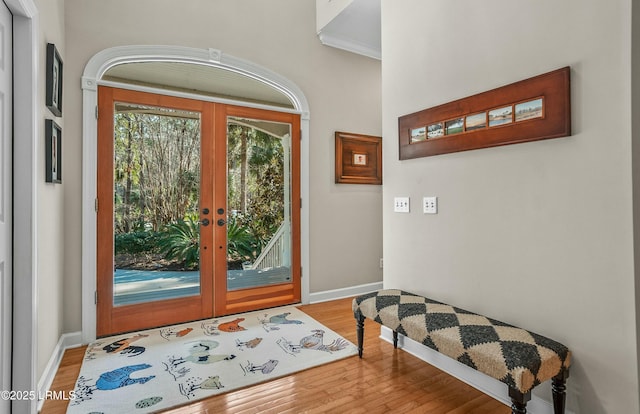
point(519, 358)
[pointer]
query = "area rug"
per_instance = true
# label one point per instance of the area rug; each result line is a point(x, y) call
point(153, 370)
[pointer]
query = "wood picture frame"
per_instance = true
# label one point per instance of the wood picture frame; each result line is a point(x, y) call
point(529, 110)
point(53, 95)
point(53, 152)
point(358, 158)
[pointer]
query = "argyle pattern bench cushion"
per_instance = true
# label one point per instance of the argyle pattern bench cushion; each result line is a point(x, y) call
point(517, 357)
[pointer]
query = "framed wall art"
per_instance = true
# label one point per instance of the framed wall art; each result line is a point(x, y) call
point(53, 152)
point(358, 158)
point(529, 110)
point(54, 80)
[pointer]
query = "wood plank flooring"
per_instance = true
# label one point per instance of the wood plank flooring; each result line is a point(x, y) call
point(385, 380)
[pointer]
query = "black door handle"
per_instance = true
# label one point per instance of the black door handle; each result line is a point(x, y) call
point(205, 222)
point(221, 222)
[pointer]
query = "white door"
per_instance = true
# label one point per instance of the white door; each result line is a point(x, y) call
point(6, 118)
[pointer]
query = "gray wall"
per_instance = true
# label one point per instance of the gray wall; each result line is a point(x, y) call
point(635, 128)
point(50, 200)
point(343, 91)
point(538, 234)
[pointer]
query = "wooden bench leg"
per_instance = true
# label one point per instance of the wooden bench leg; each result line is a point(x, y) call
point(360, 332)
point(519, 401)
point(559, 391)
point(395, 339)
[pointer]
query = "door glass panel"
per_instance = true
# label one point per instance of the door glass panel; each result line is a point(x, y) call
point(258, 203)
point(156, 202)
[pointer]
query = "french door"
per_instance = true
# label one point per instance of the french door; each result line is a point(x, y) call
point(197, 212)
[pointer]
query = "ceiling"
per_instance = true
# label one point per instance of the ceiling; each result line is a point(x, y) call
point(356, 28)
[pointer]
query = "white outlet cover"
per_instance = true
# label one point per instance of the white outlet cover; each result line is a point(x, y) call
point(430, 205)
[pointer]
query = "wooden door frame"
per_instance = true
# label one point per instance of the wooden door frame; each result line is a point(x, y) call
point(162, 312)
point(95, 69)
point(241, 300)
point(214, 298)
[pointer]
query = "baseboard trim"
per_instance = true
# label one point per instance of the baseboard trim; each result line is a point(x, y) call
point(334, 294)
point(476, 379)
point(66, 341)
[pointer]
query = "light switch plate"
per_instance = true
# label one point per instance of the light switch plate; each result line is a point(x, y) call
point(401, 204)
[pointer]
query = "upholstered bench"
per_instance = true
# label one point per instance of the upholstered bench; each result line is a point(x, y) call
point(519, 358)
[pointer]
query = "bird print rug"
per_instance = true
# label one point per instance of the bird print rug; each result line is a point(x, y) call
point(153, 370)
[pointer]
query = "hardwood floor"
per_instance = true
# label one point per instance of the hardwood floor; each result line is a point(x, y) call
point(385, 380)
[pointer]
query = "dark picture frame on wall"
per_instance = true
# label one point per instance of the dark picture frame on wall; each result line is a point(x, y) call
point(54, 80)
point(53, 152)
point(358, 159)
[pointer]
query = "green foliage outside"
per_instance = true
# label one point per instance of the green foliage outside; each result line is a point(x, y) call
point(180, 241)
point(241, 244)
point(157, 169)
point(256, 180)
point(157, 182)
point(136, 242)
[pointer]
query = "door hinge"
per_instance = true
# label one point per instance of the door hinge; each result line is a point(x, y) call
point(96, 111)
point(95, 205)
point(95, 297)
point(300, 272)
point(300, 202)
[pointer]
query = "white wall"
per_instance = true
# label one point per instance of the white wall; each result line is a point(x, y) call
point(50, 199)
point(537, 234)
point(343, 91)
